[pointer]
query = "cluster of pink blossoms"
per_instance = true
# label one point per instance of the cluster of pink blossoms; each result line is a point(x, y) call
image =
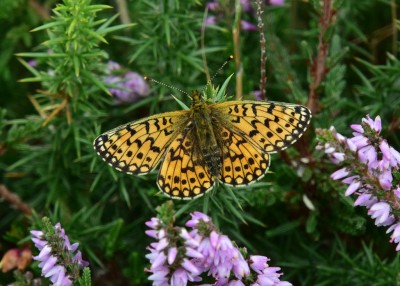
point(59, 259)
point(180, 256)
point(369, 164)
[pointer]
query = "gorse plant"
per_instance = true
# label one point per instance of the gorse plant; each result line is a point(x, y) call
point(69, 71)
point(78, 75)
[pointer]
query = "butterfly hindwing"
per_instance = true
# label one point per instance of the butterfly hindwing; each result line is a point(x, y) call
point(272, 126)
point(242, 162)
point(138, 147)
point(183, 173)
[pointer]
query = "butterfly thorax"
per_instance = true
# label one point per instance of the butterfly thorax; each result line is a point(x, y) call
point(204, 132)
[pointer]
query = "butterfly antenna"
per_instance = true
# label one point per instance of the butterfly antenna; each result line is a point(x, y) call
point(146, 78)
point(230, 58)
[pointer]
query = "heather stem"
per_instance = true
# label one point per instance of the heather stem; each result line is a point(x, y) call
point(237, 56)
point(263, 57)
point(14, 200)
point(318, 68)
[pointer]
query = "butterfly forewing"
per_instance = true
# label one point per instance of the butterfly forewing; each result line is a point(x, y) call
point(138, 147)
point(272, 126)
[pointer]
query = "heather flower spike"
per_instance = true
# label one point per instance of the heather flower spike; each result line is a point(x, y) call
point(127, 86)
point(182, 255)
point(217, 9)
point(369, 166)
point(59, 259)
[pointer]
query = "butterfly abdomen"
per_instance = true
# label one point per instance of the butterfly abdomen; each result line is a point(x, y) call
point(212, 158)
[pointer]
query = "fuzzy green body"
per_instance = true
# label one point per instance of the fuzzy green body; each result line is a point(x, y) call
point(206, 139)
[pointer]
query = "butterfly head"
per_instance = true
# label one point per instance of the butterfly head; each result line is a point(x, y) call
point(196, 97)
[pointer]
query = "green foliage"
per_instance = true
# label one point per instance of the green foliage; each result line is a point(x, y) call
point(85, 279)
point(51, 112)
point(341, 266)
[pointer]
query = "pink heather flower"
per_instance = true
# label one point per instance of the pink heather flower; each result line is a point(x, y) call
point(190, 252)
point(219, 14)
point(152, 233)
point(187, 256)
point(163, 254)
point(340, 137)
point(240, 267)
point(55, 260)
point(270, 277)
point(258, 263)
point(112, 66)
point(33, 63)
point(368, 166)
point(266, 275)
point(220, 282)
point(127, 86)
point(190, 241)
point(354, 186)
point(359, 141)
point(160, 276)
point(210, 20)
point(329, 149)
point(388, 222)
point(235, 283)
point(367, 155)
point(196, 218)
point(247, 26)
point(384, 147)
point(397, 191)
point(246, 5)
point(338, 156)
point(179, 277)
point(153, 223)
point(172, 252)
point(380, 211)
point(189, 266)
point(396, 156)
point(350, 180)
point(395, 237)
point(365, 200)
point(378, 124)
point(208, 252)
point(220, 256)
point(385, 180)
point(351, 145)
point(162, 244)
point(257, 94)
point(277, 2)
point(358, 128)
point(374, 124)
point(213, 6)
point(339, 174)
point(158, 260)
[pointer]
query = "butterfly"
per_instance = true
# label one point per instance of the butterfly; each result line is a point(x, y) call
point(229, 141)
